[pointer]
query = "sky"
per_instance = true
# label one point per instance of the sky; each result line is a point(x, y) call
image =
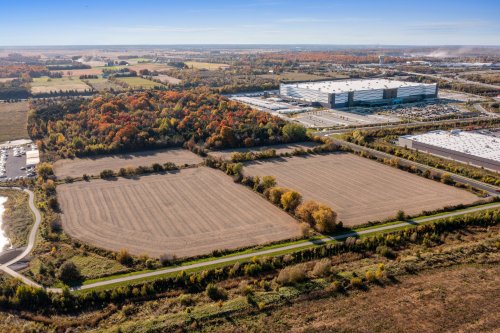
point(344, 22)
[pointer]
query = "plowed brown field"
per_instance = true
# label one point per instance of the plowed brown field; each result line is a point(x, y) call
point(358, 189)
point(192, 212)
point(93, 166)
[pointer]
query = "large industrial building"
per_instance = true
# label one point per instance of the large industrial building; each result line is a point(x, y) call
point(358, 92)
point(478, 149)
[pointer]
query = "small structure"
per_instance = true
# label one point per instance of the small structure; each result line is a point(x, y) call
point(32, 158)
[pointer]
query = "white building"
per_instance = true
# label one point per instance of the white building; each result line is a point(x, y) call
point(32, 158)
point(358, 92)
point(473, 148)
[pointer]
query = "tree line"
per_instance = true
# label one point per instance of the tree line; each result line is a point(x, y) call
point(135, 121)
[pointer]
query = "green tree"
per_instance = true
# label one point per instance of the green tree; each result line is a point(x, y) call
point(294, 132)
point(69, 273)
point(268, 182)
point(45, 170)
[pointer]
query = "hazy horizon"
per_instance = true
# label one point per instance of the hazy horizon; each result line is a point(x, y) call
point(255, 22)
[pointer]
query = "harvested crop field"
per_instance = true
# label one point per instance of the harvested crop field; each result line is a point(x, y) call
point(280, 149)
point(94, 165)
point(187, 213)
point(358, 189)
point(13, 121)
point(167, 79)
point(101, 84)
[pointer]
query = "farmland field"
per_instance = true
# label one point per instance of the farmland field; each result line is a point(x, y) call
point(45, 84)
point(292, 76)
point(280, 149)
point(102, 84)
point(78, 72)
point(358, 189)
point(94, 165)
point(168, 79)
point(138, 82)
point(205, 65)
point(13, 121)
point(188, 213)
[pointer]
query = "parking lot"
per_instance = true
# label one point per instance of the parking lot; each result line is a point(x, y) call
point(426, 111)
point(333, 118)
point(13, 162)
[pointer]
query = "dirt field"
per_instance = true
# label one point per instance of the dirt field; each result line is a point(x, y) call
point(192, 212)
point(205, 65)
point(459, 299)
point(358, 189)
point(94, 165)
point(280, 149)
point(13, 121)
point(168, 79)
point(44, 85)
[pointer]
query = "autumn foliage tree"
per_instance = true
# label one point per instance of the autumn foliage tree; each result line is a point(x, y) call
point(135, 121)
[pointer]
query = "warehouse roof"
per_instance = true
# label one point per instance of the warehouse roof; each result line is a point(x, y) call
point(32, 157)
point(472, 143)
point(353, 85)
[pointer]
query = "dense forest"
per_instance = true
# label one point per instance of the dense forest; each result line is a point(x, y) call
point(134, 121)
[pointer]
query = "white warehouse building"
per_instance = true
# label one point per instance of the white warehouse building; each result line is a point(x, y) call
point(358, 92)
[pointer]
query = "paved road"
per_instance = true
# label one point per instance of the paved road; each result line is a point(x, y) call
point(490, 189)
point(456, 79)
point(274, 250)
point(409, 124)
point(31, 240)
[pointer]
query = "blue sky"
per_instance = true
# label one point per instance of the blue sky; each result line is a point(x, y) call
point(403, 22)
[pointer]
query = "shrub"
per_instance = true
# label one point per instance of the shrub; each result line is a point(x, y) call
point(268, 182)
point(44, 170)
point(69, 273)
point(167, 259)
point(305, 210)
point(292, 275)
point(274, 194)
point(356, 282)
point(290, 201)
point(401, 216)
point(215, 293)
point(322, 268)
point(105, 174)
point(186, 300)
point(294, 132)
point(124, 258)
point(324, 219)
point(385, 251)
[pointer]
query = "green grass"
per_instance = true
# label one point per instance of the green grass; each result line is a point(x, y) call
point(45, 84)
point(102, 84)
point(139, 82)
point(18, 217)
point(277, 253)
point(92, 265)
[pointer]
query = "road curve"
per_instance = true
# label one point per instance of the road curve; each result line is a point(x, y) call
point(34, 230)
point(31, 240)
